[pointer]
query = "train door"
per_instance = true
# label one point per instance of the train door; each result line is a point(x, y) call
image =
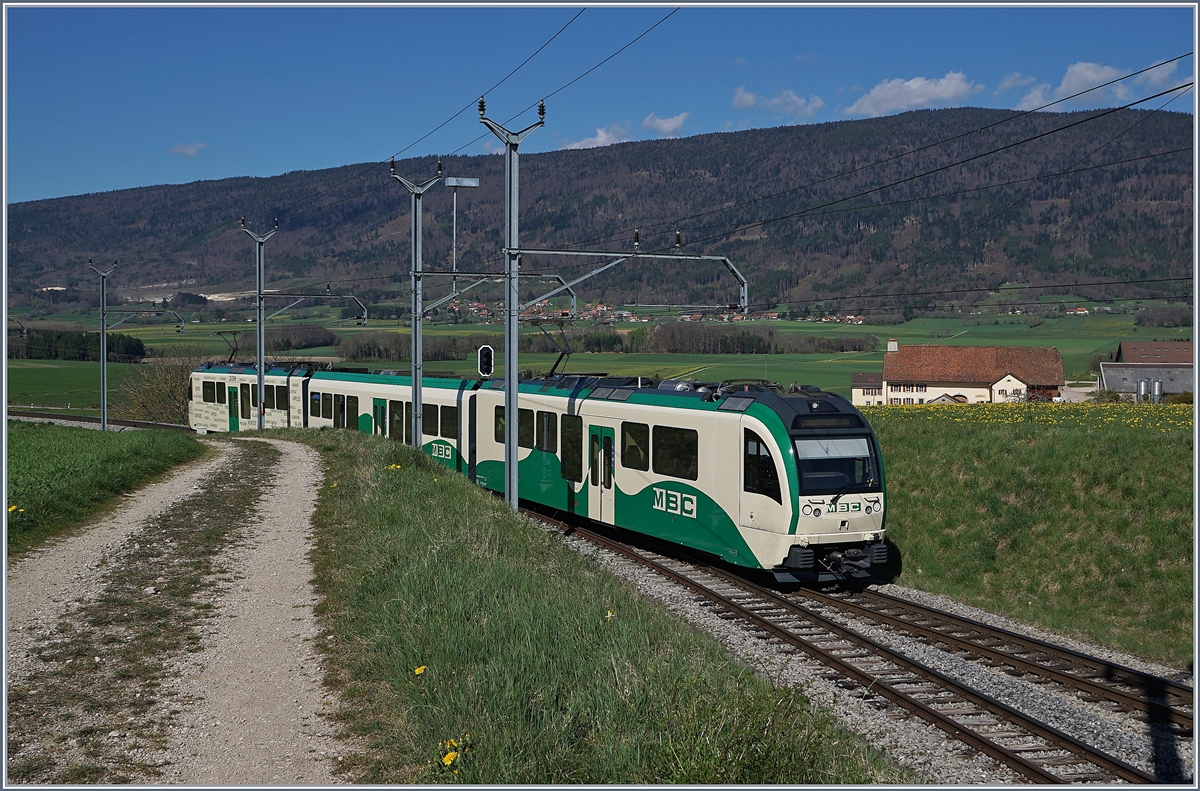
point(762, 501)
point(379, 415)
point(601, 455)
point(233, 407)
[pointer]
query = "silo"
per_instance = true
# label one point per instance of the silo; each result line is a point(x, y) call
point(1143, 390)
point(1157, 393)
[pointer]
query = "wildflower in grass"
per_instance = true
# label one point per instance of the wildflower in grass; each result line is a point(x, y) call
point(12, 508)
point(393, 466)
point(449, 758)
point(333, 486)
point(418, 671)
point(609, 615)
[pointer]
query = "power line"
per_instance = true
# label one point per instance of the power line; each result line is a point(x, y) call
point(852, 171)
point(996, 215)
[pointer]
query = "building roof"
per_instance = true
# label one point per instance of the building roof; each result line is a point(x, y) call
point(866, 380)
point(1154, 352)
point(1036, 366)
point(1124, 377)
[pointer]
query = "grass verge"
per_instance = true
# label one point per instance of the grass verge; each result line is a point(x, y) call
point(85, 717)
point(59, 476)
point(1074, 517)
point(470, 645)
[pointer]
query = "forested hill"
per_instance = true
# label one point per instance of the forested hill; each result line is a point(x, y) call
point(951, 215)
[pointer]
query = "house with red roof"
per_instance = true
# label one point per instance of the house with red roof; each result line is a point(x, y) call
point(964, 375)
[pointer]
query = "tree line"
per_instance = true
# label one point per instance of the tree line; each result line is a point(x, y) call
point(666, 338)
point(74, 345)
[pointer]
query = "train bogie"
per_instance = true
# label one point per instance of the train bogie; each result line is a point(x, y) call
point(789, 483)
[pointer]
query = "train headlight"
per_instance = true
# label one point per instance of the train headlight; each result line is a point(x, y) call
point(868, 509)
point(816, 512)
point(806, 510)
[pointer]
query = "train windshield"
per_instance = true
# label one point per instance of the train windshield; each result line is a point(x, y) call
point(836, 465)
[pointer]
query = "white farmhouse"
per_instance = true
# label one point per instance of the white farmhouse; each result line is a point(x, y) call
point(961, 374)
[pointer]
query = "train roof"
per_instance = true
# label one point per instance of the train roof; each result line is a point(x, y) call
point(809, 410)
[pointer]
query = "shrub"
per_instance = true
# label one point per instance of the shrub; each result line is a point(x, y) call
point(1180, 398)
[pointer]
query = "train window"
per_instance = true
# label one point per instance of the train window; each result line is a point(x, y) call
point(760, 474)
point(314, 404)
point(635, 446)
point(408, 422)
point(281, 397)
point(571, 465)
point(395, 421)
point(525, 428)
point(608, 462)
point(429, 419)
point(836, 465)
point(220, 392)
point(595, 457)
point(209, 390)
point(547, 432)
point(450, 422)
point(352, 412)
point(327, 406)
point(676, 452)
point(254, 396)
point(500, 424)
point(339, 410)
point(268, 396)
point(244, 398)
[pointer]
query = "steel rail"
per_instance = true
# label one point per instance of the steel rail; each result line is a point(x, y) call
point(874, 682)
point(1098, 668)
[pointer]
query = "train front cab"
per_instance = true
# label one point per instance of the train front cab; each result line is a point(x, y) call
point(836, 470)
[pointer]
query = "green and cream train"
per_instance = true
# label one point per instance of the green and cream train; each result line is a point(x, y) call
point(791, 483)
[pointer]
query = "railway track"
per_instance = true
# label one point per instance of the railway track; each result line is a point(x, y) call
point(95, 420)
point(1033, 749)
point(1151, 698)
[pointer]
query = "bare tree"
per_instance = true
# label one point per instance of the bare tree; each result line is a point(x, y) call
point(158, 389)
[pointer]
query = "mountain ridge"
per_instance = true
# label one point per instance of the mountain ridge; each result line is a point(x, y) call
point(945, 229)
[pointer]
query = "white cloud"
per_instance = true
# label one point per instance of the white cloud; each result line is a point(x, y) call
point(795, 106)
point(1035, 98)
point(493, 146)
point(743, 99)
point(1084, 75)
point(665, 127)
point(604, 137)
point(891, 96)
point(1015, 80)
point(188, 150)
point(1161, 78)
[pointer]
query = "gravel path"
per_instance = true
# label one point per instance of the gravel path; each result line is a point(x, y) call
point(248, 707)
point(257, 683)
point(58, 578)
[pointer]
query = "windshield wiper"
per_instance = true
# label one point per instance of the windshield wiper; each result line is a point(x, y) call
point(844, 489)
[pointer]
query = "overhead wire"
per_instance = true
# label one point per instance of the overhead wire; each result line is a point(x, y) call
point(680, 220)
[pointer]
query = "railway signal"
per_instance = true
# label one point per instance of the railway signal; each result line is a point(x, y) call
point(487, 361)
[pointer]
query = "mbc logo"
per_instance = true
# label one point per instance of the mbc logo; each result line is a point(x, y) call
point(674, 502)
point(440, 450)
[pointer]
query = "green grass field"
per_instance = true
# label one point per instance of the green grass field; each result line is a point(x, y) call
point(59, 477)
point(472, 646)
point(59, 383)
point(1074, 517)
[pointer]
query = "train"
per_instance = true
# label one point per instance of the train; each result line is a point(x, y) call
point(791, 483)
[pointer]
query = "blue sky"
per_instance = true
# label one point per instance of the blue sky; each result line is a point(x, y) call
point(109, 98)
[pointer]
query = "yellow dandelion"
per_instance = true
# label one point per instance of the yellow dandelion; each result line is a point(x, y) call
point(449, 758)
point(609, 615)
point(20, 510)
point(418, 671)
point(12, 508)
point(333, 486)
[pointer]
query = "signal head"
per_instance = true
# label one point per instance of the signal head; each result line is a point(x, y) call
point(542, 110)
point(393, 163)
point(481, 107)
point(243, 222)
point(439, 166)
